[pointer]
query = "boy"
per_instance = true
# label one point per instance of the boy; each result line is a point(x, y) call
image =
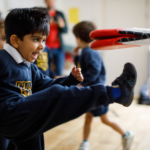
point(4, 143)
point(93, 71)
point(24, 116)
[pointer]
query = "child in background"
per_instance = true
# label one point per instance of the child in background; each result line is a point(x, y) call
point(4, 143)
point(93, 71)
point(2, 34)
point(43, 62)
point(31, 103)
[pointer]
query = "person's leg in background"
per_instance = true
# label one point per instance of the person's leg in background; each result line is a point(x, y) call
point(86, 131)
point(107, 121)
point(59, 58)
point(102, 112)
point(87, 125)
point(127, 137)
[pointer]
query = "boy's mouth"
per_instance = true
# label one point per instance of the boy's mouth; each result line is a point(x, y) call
point(35, 55)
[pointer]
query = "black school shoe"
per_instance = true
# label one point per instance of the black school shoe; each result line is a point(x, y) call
point(126, 82)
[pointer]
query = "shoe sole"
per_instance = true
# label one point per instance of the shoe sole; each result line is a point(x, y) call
point(132, 92)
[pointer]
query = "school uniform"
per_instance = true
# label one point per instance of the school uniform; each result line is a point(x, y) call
point(43, 62)
point(32, 103)
point(5, 144)
point(93, 71)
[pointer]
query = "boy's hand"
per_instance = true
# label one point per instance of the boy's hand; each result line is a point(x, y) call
point(76, 51)
point(77, 73)
point(79, 85)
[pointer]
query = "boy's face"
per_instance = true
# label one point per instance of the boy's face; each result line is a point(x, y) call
point(2, 38)
point(50, 3)
point(31, 46)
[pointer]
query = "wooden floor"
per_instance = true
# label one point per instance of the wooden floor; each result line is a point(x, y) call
point(135, 118)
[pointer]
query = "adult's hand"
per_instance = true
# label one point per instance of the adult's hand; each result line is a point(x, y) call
point(52, 21)
point(61, 22)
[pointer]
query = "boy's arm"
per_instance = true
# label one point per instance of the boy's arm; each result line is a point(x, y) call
point(41, 82)
point(76, 60)
point(93, 63)
point(76, 52)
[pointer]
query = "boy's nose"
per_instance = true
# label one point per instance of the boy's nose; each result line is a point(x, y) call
point(42, 45)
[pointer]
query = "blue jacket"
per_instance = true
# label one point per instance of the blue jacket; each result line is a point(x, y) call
point(19, 80)
point(92, 67)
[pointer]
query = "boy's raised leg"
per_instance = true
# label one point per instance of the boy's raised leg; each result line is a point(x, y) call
point(125, 82)
point(58, 104)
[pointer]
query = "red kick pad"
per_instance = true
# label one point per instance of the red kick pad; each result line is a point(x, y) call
point(110, 39)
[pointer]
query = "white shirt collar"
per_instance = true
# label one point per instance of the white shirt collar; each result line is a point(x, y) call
point(15, 54)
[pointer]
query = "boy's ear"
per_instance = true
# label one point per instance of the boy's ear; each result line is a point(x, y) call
point(14, 40)
point(79, 40)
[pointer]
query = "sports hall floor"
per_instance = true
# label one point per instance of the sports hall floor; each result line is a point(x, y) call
point(135, 118)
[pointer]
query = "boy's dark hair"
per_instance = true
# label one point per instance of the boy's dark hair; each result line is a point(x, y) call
point(23, 21)
point(45, 10)
point(83, 29)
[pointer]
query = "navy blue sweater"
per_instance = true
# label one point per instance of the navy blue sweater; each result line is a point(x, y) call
point(19, 80)
point(44, 62)
point(92, 67)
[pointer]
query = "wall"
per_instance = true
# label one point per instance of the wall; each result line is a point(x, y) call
point(116, 14)
point(105, 14)
point(6, 5)
point(87, 11)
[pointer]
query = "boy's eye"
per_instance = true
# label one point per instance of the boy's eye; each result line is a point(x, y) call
point(36, 40)
point(4, 39)
point(43, 41)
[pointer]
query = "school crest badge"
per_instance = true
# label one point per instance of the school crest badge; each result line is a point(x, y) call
point(25, 87)
point(42, 61)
